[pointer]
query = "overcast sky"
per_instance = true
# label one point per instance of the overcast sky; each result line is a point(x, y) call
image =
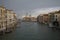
point(34, 7)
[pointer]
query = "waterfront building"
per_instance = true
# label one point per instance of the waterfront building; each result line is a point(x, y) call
point(27, 19)
point(33, 19)
point(54, 15)
point(57, 15)
point(7, 19)
point(15, 17)
point(2, 18)
point(40, 18)
point(51, 17)
point(30, 19)
point(45, 18)
point(11, 19)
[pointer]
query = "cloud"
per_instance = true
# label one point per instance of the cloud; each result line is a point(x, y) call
point(37, 12)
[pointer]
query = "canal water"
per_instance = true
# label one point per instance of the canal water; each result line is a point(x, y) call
point(32, 31)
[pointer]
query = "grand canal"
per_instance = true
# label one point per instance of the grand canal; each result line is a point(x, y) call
point(32, 31)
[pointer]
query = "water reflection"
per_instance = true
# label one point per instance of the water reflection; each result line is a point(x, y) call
point(32, 31)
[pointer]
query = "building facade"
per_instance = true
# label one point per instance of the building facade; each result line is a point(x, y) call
point(40, 19)
point(7, 17)
point(2, 18)
point(44, 18)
